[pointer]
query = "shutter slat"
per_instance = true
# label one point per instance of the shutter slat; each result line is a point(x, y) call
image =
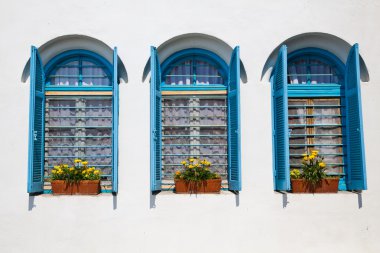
point(280, 122)
point(155, 122)
point(234, 159)
point(36, 123)
point(115, 124)
point(356, 169)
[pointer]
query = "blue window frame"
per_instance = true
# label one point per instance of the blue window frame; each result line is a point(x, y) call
point(195, 113)
point(77, 116)
point(311, 111)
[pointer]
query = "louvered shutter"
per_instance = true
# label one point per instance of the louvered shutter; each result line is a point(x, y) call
point(356, 170)
point(234, 159)
point(115, 124)
point(280, 122)
point(155, 122)
point(36, 124)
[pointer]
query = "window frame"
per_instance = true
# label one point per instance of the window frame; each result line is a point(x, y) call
point(110, 91)
point(158, 87)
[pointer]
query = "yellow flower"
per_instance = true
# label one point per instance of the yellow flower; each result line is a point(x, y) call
point(84, 163)
point(96, 172)
point(311, 157)
point(91, 169)
point(178, 172)
point(306, 158)
point(203, 162)
point(65, 166)
point(77, 160)
point(322, 164)
point(71, 169)
point(315, 152)
point(84, 172)
point(56, 167)
point(191, 166)
point(191, 160)
point(53, 171)
point(183, 162)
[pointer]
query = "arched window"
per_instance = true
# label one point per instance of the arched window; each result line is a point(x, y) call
point(73, 116)
point(194, 111)
point(313, 112)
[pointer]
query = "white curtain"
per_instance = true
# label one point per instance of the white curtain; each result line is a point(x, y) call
point(205, 117)
point(183, 74)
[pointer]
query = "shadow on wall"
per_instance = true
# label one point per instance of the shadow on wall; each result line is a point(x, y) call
point(331, 43)
point(75, 41)
point(195, 40)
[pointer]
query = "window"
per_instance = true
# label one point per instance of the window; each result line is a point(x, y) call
point(316, 105)
point(195, 113)
point(73, 114)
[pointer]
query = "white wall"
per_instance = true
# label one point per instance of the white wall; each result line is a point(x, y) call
point(256, 221)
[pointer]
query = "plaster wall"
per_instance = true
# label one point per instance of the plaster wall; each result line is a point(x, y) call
point(256, 220)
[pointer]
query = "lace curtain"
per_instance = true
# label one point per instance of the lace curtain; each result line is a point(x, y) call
point(78, 128)
point(320, 119)
point(201, 124)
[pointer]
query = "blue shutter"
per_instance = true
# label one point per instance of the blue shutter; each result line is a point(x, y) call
point(36, 124)
point(115, 124)
point(356, 172)
point(155, 122)
point(234, 160)
point(280, 122)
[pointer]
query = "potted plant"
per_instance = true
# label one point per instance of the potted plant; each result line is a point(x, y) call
point(196, 177)
point(313, 178)
point(77, 179)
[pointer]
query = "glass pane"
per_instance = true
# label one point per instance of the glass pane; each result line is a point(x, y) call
point(194, 72)
point(79, 127)
point(199, 132)
point(311, 70)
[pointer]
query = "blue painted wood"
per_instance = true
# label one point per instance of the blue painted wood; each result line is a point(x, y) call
point(234, 154)
point(36, 123)
point(115, 124)
point(280, 122)
point(155, 122)
point(356, 169)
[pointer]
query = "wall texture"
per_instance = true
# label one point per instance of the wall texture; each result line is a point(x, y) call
point(257, 220)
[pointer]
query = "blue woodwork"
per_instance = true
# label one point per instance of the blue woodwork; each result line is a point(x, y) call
point(155, 122)
point(234, 154)
point(356, 169)
point(280, 122)
point(115, 124)
point(36, 124)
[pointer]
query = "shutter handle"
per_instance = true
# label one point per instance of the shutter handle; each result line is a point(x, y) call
point(35, 135)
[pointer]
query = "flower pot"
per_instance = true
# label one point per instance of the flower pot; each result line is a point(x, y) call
point(89, 187)
point(61, 187)
point(207, 186)
point(83, 187)
point(327, 185)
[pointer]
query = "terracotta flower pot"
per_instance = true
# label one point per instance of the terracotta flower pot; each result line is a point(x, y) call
point(327, 185)
point(83, 187)
point(61, 187)
point(207, 186)
point(89, 187)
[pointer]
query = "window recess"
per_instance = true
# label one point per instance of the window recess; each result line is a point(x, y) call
point(194, 126)
point(79, 127)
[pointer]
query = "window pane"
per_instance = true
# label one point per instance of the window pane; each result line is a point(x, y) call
point(195, 72)
point(79, 127)
point(194, 126)
point(310, 70)
point(316, 124)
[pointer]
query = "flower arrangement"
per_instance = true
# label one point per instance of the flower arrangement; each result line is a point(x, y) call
point(313, 168)
point(196, 170)
point(73, 174)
